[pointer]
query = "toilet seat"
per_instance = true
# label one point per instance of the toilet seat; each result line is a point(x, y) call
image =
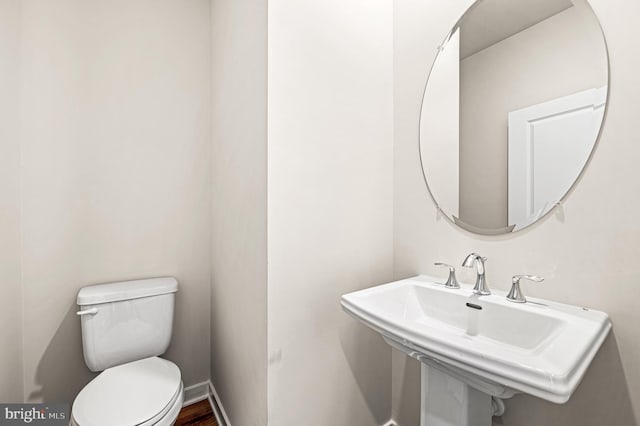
point(140, 393)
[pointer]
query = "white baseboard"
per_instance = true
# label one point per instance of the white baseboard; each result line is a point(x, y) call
point(205, 390)
point(196, 393)
point(216, 405)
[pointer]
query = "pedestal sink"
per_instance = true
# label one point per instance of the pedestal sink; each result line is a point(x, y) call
point(477, 350)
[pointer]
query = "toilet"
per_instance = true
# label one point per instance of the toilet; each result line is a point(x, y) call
point(126, 326)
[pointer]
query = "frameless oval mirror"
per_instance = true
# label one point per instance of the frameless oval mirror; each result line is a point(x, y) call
point(512, 110)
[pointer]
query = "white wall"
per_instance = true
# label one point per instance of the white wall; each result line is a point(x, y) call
point(543, 62)
point(330, 208)
point(10, 286)
point(586, 250)
point(239, 212)
point(115, 136)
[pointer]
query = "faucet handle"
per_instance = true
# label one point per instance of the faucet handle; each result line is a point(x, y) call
point(452, 281)
point(516, 295)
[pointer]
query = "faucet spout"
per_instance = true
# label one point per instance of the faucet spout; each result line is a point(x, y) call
point(476, 260)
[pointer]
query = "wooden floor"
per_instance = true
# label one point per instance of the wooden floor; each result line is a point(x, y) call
point(198, 414)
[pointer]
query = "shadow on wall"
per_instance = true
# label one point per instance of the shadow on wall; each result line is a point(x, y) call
point(369, 359)
point(62, 373)
point(408, 400)
point(601, 399)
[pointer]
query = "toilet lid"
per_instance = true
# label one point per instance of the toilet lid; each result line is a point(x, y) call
point(129, 394)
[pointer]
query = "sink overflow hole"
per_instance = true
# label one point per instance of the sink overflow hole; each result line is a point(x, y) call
point(474, 306)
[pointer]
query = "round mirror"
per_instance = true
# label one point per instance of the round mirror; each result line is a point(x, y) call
point(512, 110)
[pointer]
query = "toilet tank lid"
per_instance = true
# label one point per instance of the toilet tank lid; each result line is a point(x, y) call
point(125, 290)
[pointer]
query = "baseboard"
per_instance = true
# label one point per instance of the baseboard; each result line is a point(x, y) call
point(196, 393)
point(205, 390)
point(216, 405)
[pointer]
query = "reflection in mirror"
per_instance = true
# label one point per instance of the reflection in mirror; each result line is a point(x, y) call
point(512, 110)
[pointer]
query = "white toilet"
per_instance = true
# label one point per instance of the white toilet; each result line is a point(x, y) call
point(125, 326)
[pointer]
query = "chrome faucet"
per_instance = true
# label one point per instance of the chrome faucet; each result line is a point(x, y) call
point(452, 281)
point(516, 295)
point(476, 260)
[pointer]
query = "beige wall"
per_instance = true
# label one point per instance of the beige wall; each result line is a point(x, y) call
point(115, 137)
point(561, 55)
point(10, 289)
point(239, 219)
point(586, 250)
point(330, 208)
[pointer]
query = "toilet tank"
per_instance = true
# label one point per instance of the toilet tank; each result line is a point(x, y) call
point(126, 321)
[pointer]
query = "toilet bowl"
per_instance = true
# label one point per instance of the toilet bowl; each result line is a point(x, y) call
point(142, 393)
point(125, 327)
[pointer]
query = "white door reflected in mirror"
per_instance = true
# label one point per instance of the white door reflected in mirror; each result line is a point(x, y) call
point(541, 170)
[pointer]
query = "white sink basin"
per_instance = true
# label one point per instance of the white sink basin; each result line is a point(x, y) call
point(540, 347)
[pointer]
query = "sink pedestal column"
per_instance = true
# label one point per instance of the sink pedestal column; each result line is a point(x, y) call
point(447, 401)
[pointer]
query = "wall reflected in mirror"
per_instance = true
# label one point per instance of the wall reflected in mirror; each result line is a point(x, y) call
point(512, 110)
